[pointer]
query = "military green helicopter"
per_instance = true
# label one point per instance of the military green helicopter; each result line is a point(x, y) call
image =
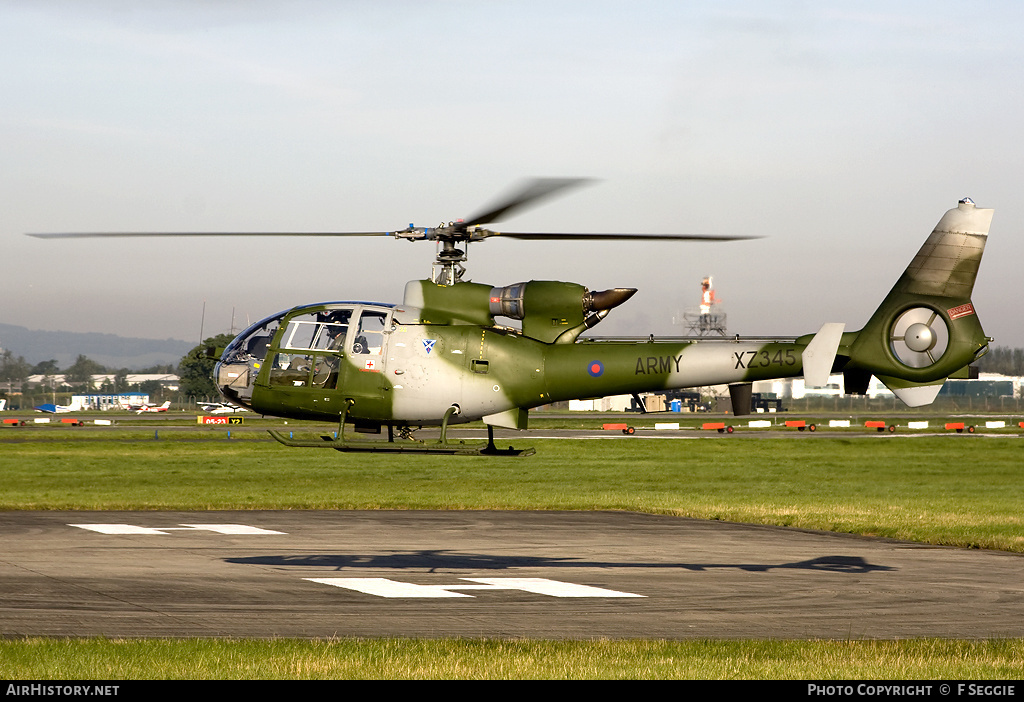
point(455, 351)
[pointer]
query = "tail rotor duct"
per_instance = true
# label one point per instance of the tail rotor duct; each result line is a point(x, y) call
point(919, 337)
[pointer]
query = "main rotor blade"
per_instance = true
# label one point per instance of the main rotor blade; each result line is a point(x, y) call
point(531, 192)
point(566, 236)
point(475, 235)
point(95, 235)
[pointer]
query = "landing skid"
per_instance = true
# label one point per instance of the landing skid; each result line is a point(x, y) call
point(442, 446)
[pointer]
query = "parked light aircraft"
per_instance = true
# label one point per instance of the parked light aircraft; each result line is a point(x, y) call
point(52, 408)
point(221, 408)
point(153, 408)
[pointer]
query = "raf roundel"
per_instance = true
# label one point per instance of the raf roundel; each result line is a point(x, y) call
point(595, 368)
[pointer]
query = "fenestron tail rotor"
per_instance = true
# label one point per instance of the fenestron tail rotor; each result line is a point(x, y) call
point(919, 337)
point(448, 263)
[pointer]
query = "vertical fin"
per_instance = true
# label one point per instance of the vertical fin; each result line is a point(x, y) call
point(926, 327)
point(947, 264)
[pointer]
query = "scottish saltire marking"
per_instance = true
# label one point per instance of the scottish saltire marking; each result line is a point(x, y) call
point(595, 368)
point(428, 345)
point(132, 529)
point(384, 587)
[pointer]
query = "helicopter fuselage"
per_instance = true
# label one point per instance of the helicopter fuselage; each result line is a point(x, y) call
point(388, 364)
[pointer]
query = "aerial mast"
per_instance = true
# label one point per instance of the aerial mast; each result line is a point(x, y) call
point(707, 318)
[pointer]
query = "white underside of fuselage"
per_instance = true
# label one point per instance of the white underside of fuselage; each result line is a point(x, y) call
point(431, 373)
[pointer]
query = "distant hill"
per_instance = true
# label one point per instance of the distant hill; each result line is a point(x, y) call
point(110, 350)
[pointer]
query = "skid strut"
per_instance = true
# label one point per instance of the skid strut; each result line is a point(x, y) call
point(338, 442)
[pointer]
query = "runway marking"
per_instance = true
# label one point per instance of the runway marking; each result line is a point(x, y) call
point(122, 529)
point(383, 587)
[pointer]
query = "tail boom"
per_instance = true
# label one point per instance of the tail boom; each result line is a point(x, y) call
point(601, 368)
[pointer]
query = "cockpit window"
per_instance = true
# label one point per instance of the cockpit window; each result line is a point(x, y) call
point(309, 352)
point(370, 335)
point(317, 331)
point(253, 342)
point(241, 361)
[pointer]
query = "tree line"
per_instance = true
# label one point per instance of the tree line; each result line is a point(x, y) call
point(16, 369)
point(1003, 360)
point(194, 369)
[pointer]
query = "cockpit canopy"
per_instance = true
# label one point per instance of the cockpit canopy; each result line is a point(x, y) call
point(301, 345)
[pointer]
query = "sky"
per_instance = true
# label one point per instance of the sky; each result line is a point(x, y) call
point(839, 132)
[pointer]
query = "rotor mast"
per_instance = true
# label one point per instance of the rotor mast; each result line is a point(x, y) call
point(448, 267)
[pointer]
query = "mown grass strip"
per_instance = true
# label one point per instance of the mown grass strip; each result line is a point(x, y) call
point(404, 659)
point(953, 490)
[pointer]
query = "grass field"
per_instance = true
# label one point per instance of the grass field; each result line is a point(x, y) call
point(407, 659)
point(956, 490)
point(961, 490)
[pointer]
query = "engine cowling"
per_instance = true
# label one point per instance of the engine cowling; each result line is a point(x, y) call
point(549, 309)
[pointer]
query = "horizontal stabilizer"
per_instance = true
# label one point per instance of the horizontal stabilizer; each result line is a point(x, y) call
point(820, 354)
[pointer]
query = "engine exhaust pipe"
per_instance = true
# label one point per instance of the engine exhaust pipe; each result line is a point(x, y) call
point(607, 299)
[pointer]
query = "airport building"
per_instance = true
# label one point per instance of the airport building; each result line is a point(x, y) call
point(113, 401)
point(168, 381)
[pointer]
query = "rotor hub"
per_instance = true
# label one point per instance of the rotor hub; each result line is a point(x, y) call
point(919, 337)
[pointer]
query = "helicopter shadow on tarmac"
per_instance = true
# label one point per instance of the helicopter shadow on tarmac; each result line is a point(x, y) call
point(434, 560)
